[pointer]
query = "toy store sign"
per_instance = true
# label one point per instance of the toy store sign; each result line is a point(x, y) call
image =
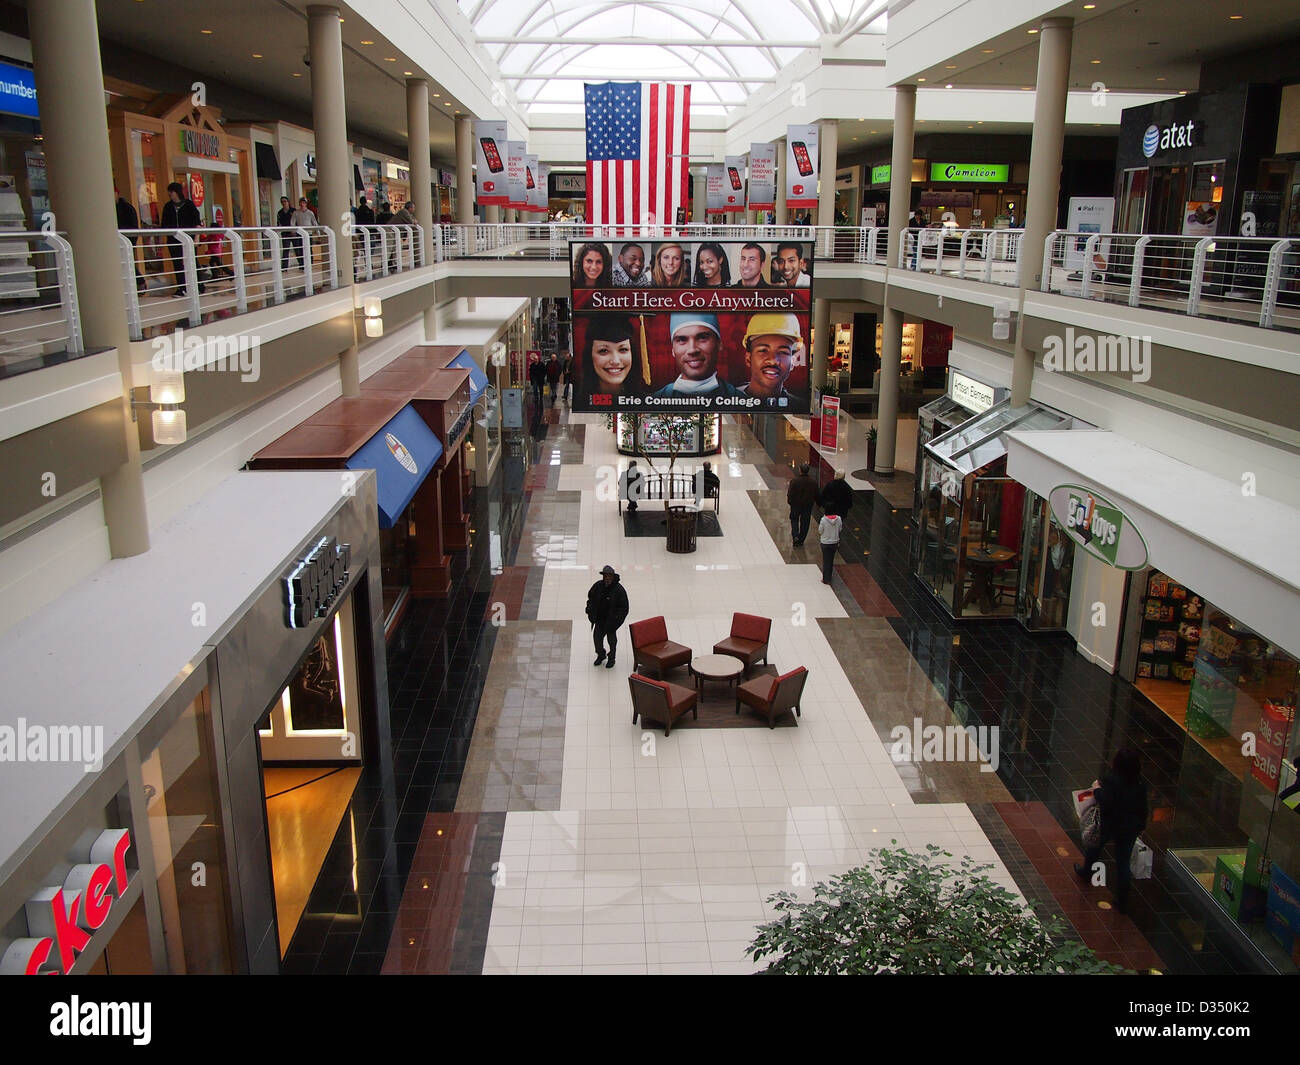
point(1098, 526)
point(61, 920)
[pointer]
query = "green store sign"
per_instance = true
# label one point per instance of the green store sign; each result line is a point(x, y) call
point(1098, 526)
point(995, 173)
point(880, 174)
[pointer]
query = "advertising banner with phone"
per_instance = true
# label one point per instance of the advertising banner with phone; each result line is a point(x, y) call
point(762, 177)
point(515, 163)
point(1088, 214)
point(721, 326)
point(490, 151)
point(716, 197)
point(733, 183)
point(801, 166)
point(534, 185)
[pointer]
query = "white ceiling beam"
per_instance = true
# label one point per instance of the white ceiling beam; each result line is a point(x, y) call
point(675, 42)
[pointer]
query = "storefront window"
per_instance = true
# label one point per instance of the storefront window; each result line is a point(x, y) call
point(1133, 208)
point(396, 550)
point(1043, 601)
point(185, 825)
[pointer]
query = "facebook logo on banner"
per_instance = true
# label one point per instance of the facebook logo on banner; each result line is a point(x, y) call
point(17, 91)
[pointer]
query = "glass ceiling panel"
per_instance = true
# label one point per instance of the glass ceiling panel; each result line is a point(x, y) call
point(977, 443)
point(642, 40)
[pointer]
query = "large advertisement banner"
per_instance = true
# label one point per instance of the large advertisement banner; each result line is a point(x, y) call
point(762, 177)
point(534, 185)
point(716, 199)
point(684, 326)
point(515, 179)
point(801, 166)
point(733, 183)
point(490, 155)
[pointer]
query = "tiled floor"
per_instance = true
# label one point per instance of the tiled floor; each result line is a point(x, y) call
point(657, 854)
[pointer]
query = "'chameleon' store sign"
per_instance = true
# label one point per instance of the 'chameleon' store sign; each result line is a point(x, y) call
point(1098, 526)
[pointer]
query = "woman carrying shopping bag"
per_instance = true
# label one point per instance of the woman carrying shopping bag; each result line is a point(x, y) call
point(1122, 802)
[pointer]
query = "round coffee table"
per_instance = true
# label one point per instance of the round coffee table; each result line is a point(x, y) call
point(715, 667)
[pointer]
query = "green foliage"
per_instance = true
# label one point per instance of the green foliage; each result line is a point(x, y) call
point(911, 913)
point(871, 435)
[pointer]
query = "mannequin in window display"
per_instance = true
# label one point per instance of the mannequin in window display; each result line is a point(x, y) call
point(1057, 570)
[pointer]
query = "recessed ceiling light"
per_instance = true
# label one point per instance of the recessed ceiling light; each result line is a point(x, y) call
point(1026, 88)
point(408, 73)
point(1182, 92)
point(987, 51)
point(1088, 7)
point(1160, 78)
point(208, 32)
point(257, 55)
point(447, 103)
point(390, 59)
point(980, 122)
point(296, 74)
point(1236, 18)
point(367, 42)
point(920, 79)
point(1095, 61)
point(948, 86)
point(950, 66)
point(871, 131)
point(1031, 31)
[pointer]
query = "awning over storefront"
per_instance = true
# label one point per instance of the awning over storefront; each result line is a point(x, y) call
point(1237, 550)
point(268, 166)
point(979, 441)
point(478, 381)
point(402, 454)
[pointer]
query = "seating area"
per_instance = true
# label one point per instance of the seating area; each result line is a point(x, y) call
point(771, 695)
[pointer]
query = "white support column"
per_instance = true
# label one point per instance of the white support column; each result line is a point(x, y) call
point(891, 341)
point(465, 170)
point(700, 203)
point(829, 141)
point(65, 39)
point(1054, 42)
point(780, 211)
point(417, 140)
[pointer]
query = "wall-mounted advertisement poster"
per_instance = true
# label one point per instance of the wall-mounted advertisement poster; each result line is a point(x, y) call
point(491, 151)
point(733, 183)
point(720, 326)
point(762, 177)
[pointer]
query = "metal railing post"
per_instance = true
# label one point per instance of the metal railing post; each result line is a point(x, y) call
point(1198, 275)
point(1272, 282)
point(1045, 285)
point(277, 270)
point(130, 293)
point(961, 253)
point(1089, 251)
point(237, 266)
point(309, 282)
point(190, 267)
point(67, 277)
point(1135, 281)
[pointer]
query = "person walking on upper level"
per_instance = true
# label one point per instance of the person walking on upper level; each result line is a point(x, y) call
point(178, 212)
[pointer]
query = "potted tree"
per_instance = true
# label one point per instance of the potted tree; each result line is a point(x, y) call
point(911, 913)
point(871, 448)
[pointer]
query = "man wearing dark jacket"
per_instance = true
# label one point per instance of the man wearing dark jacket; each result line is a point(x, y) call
point(178, 212)
point(537, 377)
point(606, 610)
point(837, 496)
point(365, 215)
point(801, 495)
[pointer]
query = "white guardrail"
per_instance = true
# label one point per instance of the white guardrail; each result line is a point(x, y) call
point(38, 297)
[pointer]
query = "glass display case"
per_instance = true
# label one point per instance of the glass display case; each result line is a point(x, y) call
point(970, 516)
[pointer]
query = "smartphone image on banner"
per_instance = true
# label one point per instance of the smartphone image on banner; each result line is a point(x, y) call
point(801, 158)
point(735, 177)
point(528, 177)
point(493, 156)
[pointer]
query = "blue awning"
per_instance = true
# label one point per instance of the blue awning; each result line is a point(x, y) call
point(402, 454)
point(478, 381)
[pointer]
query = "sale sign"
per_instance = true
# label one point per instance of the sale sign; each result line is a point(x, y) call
point(830, 421)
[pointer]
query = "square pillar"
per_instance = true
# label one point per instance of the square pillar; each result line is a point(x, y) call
point(431, 568)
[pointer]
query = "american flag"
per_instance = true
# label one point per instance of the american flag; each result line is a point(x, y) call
point(638, 137)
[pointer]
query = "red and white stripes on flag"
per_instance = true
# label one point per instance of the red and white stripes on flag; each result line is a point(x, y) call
point(638, 142)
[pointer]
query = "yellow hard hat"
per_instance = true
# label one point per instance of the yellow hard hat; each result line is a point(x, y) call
point(784, 325)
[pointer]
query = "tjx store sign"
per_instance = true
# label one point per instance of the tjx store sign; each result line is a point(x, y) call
point(60, 920)
point(315, 580)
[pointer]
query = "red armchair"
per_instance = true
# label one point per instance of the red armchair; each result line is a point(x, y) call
point(748, 639)
point(657, 700)
point(651, 646)
point(774, 695)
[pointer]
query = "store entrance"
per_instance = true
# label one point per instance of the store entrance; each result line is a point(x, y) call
point(311, 756)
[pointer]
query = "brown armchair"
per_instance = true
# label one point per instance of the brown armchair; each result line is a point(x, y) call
point(773, 695)
point(748, 639)
point(651, 646)
point(657, 700)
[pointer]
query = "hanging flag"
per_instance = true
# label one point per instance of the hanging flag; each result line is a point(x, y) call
point(638, 139)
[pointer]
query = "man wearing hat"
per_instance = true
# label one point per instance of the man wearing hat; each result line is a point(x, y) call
point(772, 343)
point(607, 608)
point(696, 340)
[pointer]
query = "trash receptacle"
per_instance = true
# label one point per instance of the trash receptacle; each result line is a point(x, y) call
point(682, 522)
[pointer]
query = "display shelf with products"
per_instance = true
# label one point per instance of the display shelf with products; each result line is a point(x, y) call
point(1171, 631)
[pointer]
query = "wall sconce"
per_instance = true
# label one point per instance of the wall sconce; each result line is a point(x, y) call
point(169, 425)
point(1002, 320)
point(373, 308)
point(167, 387)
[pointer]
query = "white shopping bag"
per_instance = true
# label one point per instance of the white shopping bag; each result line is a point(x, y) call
point(1083, 798)
point(1140, 863)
